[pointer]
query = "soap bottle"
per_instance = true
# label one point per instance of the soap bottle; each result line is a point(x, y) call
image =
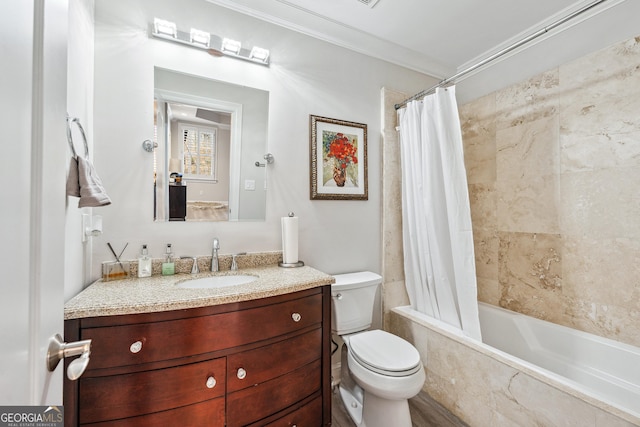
point(144, 263)
point(168, 266)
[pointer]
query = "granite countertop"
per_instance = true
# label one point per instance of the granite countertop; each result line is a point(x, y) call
point(160, 293)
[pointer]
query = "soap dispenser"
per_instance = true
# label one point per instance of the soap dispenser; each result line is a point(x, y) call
point(144, 263)
point(168, 266)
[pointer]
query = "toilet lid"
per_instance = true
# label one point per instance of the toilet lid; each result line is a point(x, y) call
point(385, 353)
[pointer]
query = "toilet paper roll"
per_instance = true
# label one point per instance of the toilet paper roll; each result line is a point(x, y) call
point(290, 239)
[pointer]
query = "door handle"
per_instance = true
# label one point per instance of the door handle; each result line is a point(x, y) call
point(59, 349)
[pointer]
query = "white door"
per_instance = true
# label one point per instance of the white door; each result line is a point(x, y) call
point(33, 82)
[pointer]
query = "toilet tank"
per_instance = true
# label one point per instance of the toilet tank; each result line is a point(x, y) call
point(352, 298)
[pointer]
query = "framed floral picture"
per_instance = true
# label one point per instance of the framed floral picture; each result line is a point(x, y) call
point(338, 159)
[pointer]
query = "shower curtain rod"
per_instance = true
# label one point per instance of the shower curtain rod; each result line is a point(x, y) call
point(497, 55)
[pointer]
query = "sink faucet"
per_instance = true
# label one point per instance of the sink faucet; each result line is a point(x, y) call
point(214, 255)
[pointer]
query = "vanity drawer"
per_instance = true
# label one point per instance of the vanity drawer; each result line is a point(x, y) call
point(310, 415)
point(272, 396)
point(209, 413)
point(121, 396)
point(133, 344)
point(253, 367)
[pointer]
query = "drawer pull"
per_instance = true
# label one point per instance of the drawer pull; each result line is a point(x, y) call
point(135, 347)
point(241, 374)
point(296, 317)
point(211, 382)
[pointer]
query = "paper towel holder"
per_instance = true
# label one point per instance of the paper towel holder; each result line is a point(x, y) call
point(290, 264)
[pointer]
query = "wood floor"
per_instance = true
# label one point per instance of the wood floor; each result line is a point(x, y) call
point(425, 412)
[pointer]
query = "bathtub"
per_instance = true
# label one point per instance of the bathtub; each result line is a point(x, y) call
point(600, 373)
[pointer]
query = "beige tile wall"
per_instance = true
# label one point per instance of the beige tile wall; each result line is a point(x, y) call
point(394, 293)
point(553, 166)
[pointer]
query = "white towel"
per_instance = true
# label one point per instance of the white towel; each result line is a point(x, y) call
point(73, 183)
point(92, 192)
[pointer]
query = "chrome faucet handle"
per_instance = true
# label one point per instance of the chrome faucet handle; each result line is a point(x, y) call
point(194, 267)
point(215, 266)
point(234, 263)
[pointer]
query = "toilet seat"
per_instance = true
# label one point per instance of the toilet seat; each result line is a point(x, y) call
point(385, 353)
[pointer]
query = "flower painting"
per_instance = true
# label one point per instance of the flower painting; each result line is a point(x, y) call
point(338, 159)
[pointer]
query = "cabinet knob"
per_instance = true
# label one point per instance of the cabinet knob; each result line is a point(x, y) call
point(135, 347)
point(211, 382)
point(296, 317)
point(241, 373)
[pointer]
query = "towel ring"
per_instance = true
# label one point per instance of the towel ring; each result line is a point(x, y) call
point(70, 137)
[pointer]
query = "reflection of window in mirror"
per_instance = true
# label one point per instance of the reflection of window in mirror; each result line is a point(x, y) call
point(198, 152)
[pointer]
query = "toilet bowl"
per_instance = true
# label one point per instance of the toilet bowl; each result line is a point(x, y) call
point(385, 364)
point(380, 371)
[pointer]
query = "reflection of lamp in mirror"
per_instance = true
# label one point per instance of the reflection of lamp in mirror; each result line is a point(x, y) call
point(174, 165)
point(174, 170)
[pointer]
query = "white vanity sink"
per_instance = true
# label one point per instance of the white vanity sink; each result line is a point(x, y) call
point(217, 281)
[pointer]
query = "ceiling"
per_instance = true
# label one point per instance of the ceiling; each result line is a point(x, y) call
point(192, 114)
point(443, 37)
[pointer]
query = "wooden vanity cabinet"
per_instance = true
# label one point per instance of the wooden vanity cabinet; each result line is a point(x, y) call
point(262, 362)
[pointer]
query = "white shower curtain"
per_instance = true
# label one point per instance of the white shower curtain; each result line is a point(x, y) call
point(439, 262)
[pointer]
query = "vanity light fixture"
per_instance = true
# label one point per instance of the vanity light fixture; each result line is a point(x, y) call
point(216, 46)
point(166, 28)
point(200, 37)
point(259, 54)
point(231, 46)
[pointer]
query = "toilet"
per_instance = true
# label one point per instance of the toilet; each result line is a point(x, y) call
point(379, 371)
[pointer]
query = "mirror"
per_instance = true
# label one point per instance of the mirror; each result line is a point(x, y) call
point(212, 138)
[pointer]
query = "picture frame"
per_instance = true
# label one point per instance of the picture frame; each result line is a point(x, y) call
point(338, 159)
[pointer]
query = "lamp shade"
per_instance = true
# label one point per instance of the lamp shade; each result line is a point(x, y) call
point(174, 165)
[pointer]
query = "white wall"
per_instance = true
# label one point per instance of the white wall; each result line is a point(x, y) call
point(306, 77)
point(79, 104)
